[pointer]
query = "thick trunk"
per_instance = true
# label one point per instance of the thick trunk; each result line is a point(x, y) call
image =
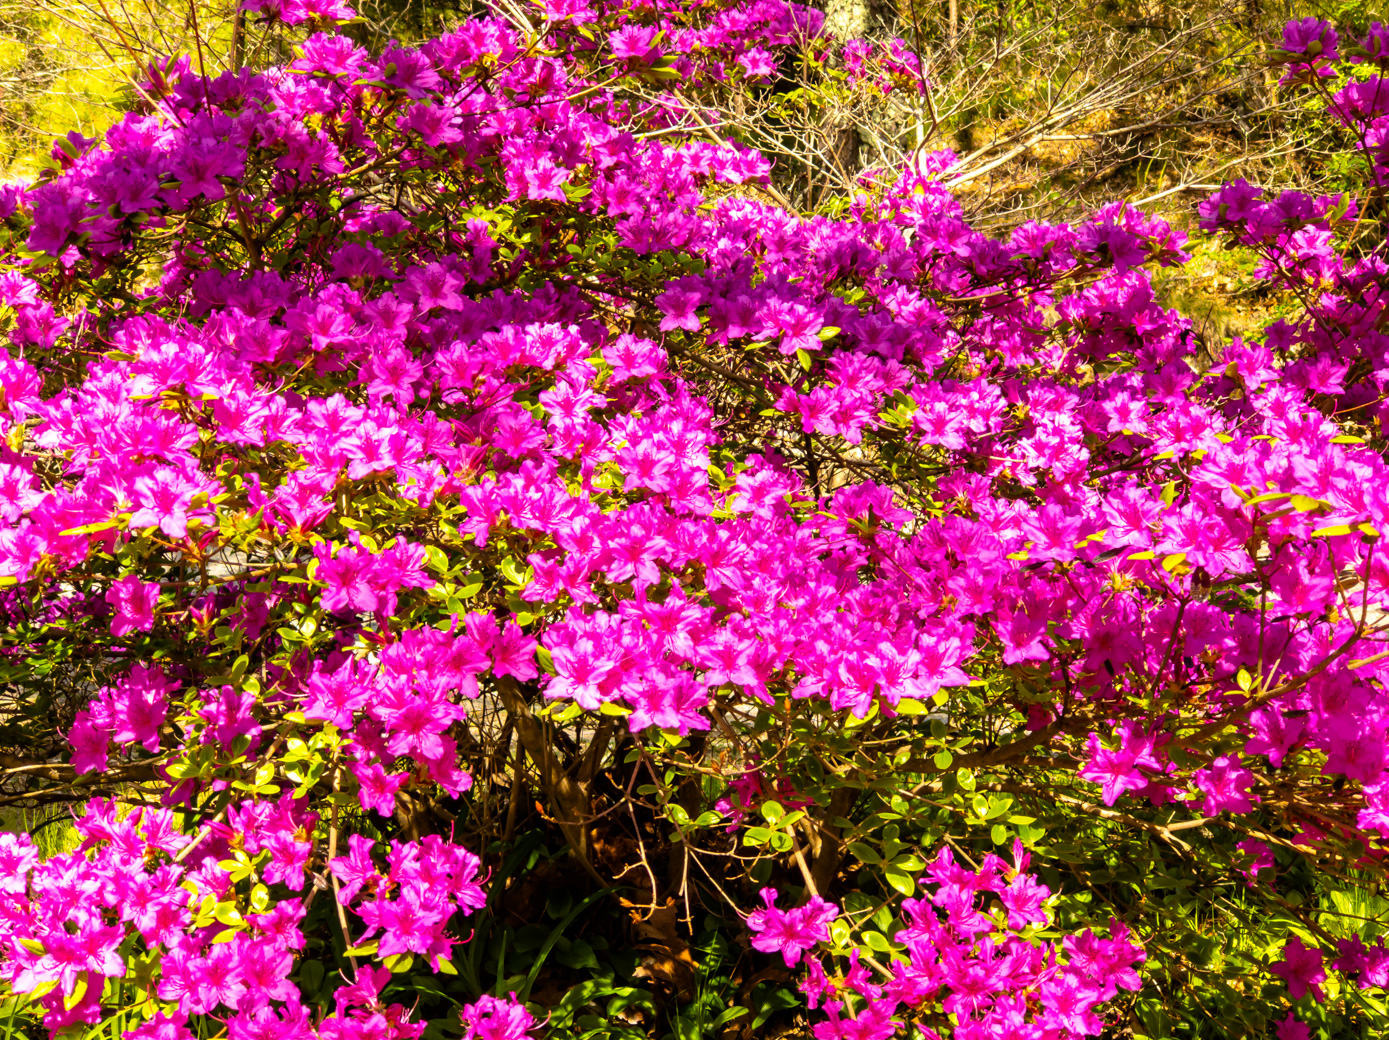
point(569, 802)
point(831, 848)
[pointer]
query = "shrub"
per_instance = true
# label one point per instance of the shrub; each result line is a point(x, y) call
point(394, 441)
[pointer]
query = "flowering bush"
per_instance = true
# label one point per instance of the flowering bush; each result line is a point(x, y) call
point(386, 436)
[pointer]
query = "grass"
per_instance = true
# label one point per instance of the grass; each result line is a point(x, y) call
point(50, 827)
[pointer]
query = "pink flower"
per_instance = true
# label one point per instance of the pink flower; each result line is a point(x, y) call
point(493, 1018)
point(1260, 857)
point(793, 932)
point(1291, 1029)
point(17, 857)
point(89, 744)
point(378, 788)
point(514, 653)
point(1023, 899)
point(635, 43)
point(679, 306)
point(1226, 786)
point(133, 602)
point(1273, 734)
point(162, 1027)
point(1311, 36)
point(355, 869)
point(1117, 771)
point(169, 499)
point(670, 702)
point(1069, 1002)
point(1301, 967)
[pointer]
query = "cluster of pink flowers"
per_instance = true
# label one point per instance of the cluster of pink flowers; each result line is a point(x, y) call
point(888, 66)
point(967, 958)
point(66, 922)
point(427, 883)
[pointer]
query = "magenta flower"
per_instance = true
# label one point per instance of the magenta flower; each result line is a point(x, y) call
point(133, 602)
point(1260, 857)
point(1225, 786)
point(90, 744)
point(493, 1018)
point(162, 1027)
point(17, 857)
point(378, 788)
point(169, 499)
point(635, 43)
point(355, 869)
point(792, 932)
point(1117, 771)
point(1302, 969)
point(1023, 899)
point(1293, 1029)
point(1312, 37)
point(679, 307)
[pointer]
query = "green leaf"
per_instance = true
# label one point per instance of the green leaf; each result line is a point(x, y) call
point(757, 836)
point(514, 571)
point(101, 525)
point(865, 853)
point(998, 805)
point(554, 937)
point(1332, 531)
point(902, 882)
point(436, 560)
point(663, 73)
point(736, 1011)
point(227, 914)
point(877, 942)
point(79, 990)
point(570, 711)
